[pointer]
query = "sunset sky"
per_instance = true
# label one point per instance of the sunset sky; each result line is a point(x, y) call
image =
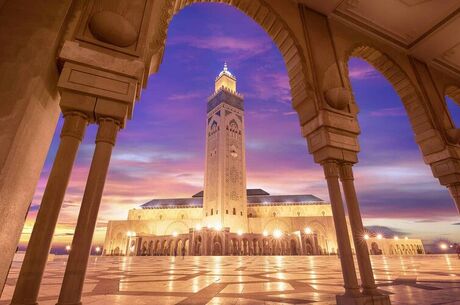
point(160, 153)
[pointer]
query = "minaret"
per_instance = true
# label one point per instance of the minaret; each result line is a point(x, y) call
point(225, 201)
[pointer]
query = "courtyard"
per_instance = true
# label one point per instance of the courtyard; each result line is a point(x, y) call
point(231, 280)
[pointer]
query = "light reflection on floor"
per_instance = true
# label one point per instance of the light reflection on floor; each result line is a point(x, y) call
point(249, 280)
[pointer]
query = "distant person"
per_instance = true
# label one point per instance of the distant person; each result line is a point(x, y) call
point(183, 252)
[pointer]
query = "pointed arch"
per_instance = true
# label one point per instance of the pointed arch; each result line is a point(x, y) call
point(275, 26)
point(426, 134)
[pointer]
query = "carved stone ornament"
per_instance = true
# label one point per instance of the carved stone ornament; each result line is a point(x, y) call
point(337, 98)
point(109, 27)
point(453, 135)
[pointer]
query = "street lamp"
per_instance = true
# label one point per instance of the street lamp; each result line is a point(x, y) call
point(174, 234)
point(97, 249)
point(67, 248)
point(443, 246)
point(239, 232)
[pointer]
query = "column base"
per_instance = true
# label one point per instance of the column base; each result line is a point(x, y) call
point(363, 300)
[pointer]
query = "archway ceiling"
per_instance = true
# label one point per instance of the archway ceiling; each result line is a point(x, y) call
point(423, 28)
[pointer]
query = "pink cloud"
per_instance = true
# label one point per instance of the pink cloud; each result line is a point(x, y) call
point(362, 72)
point(389, 112)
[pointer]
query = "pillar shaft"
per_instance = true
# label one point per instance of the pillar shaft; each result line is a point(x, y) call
point(331, 172)
point(74, 276)
point(357, 229)
point(454, 190)
point(33, 266)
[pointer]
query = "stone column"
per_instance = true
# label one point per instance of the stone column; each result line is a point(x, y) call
point(454, 190)
point(33, 266)
point(331, 172)
point(357, 229)
point(74, 276)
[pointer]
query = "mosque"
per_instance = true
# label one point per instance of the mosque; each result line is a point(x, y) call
point(227, 218)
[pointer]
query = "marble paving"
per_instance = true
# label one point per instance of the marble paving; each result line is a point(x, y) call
point(431, 279)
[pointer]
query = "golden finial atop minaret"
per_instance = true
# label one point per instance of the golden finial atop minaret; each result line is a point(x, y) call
point(226, 80)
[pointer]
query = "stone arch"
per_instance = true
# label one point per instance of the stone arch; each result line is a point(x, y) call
point(276, 223)
point(419, 116)
point(284, 38)
point(179, 227)
point(454, 93)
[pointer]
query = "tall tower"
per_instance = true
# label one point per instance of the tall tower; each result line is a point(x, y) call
point(225, 200)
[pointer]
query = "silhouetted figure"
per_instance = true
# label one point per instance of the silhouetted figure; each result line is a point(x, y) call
point(183, 252)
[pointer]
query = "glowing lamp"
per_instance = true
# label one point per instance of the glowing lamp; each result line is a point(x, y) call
point(277, 233)
point(67, 248)
point(198, 227)
point(174, 234)
point(379, 236)
point(265, 233)
point(98, 249)
point(307, 230)
point(366, 236)
point(396, 237)
point(443, 246)
point(239, 232)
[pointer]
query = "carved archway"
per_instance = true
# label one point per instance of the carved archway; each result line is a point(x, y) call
point(262, 13)
point(427, 136)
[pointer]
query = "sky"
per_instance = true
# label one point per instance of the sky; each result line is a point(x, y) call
point(160, 153)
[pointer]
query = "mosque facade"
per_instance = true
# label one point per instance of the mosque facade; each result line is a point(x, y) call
point(226, 218)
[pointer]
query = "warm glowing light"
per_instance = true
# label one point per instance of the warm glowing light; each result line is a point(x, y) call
point(98, 249)
point(198, 227)
point(379, 236)
point(239, 232)
point(396, 237)
point(443, 246)
point(366, 236)
point(209, 226)
point(218, 227)
point(174, 234)
point(307, 230)
point(67, 248)
point(130, 234)
point(277, 233)
point(265, 233)
point(406, 238)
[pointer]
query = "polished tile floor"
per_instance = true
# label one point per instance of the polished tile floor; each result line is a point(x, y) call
point(432, 279)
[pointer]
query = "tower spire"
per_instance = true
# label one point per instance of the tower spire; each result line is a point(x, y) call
point(225, 79)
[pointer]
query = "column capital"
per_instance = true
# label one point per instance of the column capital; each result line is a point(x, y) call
point(107, 131)
point(75, 123)
point(331, 169)
point(346, 171)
